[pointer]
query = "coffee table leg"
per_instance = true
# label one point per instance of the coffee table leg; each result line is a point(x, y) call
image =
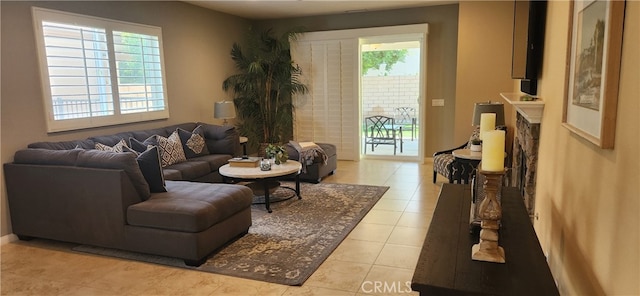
point(298, 186)
point(266, 196)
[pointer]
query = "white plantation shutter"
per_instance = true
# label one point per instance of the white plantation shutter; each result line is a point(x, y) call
point(139, 72)
point(98, 72)
point(328, 113)
point(78, 65)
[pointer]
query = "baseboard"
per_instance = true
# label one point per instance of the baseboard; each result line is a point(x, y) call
point(5, 239)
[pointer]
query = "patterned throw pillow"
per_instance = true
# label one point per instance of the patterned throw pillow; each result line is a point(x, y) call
point(119, 147)
point(170, 149)
point(193, 142)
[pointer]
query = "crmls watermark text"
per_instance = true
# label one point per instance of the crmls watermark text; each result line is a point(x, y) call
point(372, 287)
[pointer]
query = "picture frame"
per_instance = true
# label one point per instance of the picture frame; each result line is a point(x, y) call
point(593, 70)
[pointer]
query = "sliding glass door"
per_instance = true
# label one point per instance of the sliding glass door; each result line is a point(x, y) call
point(336, 72)
point(391, 84)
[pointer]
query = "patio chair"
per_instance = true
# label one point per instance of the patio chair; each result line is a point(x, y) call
point(406, 117)
point(381, 130)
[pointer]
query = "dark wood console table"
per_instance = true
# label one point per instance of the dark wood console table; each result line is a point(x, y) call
point(445, 266)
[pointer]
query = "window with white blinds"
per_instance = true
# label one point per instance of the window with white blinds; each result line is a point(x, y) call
point(98, 72)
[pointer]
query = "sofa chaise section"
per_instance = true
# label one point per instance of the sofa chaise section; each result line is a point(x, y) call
point(59, 195)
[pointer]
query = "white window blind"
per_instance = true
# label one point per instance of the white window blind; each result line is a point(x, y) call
point(329, 112)
point(98, 72)
point(139, 72)
point(78, 66)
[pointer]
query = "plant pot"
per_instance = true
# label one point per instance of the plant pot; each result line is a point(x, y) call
point(476, 148)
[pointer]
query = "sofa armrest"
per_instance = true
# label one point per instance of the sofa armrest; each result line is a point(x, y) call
point(73, 204)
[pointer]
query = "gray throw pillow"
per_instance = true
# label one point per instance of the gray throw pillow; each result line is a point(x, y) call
point(142, 146)
point(149, 163)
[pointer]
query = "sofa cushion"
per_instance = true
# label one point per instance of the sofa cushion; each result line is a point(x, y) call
point(146, 134)
point(190, 170)
point(117, 161)
point(149, 163)
point(329, 149)
point(193, 142)
point(188, 126)
point(47, 157)
point(189, 206)
point(111, 140)
point(65, 145)
point(222, 139)
point(171, 174)
point(215, 160)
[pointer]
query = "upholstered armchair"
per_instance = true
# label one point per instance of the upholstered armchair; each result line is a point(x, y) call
point(444, 161)
point(445, 164)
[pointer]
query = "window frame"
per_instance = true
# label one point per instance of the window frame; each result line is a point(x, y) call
point(41, 15)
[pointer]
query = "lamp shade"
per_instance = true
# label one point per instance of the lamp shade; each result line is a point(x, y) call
point(488, 107)
point(224, 110)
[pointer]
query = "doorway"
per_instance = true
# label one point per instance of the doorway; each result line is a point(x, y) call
point(331, 112)
point(391, 88)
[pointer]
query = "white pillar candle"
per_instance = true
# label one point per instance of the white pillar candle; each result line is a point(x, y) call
point(493, 151)
point(487, 123)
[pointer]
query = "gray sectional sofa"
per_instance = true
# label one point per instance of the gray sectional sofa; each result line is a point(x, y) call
point(70, 191)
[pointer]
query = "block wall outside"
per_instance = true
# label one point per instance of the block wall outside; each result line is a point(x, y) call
point(382, 94)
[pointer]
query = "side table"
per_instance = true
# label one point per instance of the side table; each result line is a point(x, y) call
point(445, 266)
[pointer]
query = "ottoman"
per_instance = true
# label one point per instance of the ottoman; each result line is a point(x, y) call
point(315, 170)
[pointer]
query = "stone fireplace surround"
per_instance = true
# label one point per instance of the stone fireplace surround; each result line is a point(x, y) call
point(525, 148)
point(525, 160)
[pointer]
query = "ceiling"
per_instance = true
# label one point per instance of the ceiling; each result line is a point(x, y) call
point(267, 9)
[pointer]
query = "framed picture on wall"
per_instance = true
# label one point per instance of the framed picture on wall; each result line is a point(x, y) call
point(595, 47)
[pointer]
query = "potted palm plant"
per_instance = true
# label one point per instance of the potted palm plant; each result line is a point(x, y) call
point(263, 88)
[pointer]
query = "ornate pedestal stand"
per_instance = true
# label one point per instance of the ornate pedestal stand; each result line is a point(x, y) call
point(490, 213)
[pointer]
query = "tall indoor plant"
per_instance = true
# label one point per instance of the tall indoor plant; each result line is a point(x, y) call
point(267, 79)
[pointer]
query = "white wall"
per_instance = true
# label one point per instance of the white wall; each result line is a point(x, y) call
point(587, 198)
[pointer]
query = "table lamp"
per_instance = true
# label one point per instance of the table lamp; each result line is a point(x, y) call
point(488, 115)
point(224, 110)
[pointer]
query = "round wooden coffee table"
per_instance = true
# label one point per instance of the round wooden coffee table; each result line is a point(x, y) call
point(289, 169)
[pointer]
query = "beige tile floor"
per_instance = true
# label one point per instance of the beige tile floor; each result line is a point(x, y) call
point(380, 252)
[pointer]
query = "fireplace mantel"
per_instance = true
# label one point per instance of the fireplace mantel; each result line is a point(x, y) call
point(530, 110)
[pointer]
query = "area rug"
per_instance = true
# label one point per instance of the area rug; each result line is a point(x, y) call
point(288, 245)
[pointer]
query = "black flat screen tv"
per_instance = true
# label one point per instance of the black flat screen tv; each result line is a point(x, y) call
point(528, 43)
